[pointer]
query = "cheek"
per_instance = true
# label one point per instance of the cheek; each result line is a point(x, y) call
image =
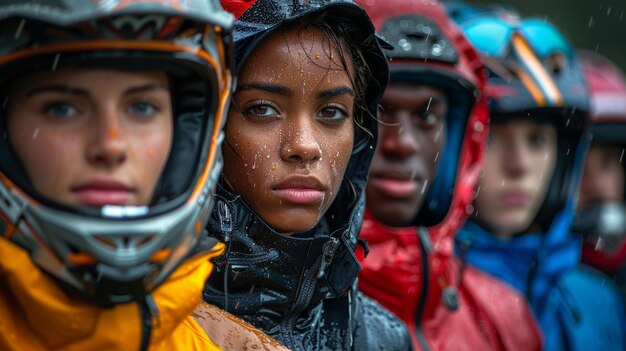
point(48, 156)
point(337, 151)
point(250, 152)
point(151, 150)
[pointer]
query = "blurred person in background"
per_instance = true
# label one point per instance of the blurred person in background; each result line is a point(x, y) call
point(520, 228)
point(432, 130)
point(601, 217)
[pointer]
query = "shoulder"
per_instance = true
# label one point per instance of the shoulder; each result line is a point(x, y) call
point(504, 308)
point(376, 328)
point(231, 333)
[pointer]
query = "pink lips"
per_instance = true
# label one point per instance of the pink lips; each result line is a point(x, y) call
point(300, 190)
point(103, 192)
point(515, 198)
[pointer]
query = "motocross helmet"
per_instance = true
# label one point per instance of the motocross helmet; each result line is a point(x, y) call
point(533, 73)
point(429, 49)
point(115, 254)
point(604, 224)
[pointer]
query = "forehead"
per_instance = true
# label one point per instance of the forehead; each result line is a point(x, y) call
point(297, 52)
point(522, 125)
point(85, 77)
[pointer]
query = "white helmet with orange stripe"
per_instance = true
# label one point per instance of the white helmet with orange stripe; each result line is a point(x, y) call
point(117, 252)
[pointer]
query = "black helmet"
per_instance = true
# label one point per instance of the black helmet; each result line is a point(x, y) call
point(114, 254)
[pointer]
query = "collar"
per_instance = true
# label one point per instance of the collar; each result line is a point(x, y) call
point(31, 302)
point(265, 276)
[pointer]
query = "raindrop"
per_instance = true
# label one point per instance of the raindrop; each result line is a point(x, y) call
point(36, 133)
point(502, 183)
point(405, 45)
point(56, 62)
point(20, 27)
point(437, 50)
point(6, 100)
point(430, 100)
point(424, 186)
point(621, 156)
point(436, 157)
point(591, 22)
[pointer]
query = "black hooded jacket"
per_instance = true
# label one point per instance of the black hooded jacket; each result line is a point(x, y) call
point(301, 289)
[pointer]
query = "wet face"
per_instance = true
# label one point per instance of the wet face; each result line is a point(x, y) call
point(412, 135)
point(519, 164)
point(86, 144)
point(290, 129)
point(603, 177)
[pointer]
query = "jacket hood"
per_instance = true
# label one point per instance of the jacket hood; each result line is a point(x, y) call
point(256, 20)
point(33, 306)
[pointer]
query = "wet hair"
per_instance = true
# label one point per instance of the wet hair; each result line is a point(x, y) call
point(340, 34)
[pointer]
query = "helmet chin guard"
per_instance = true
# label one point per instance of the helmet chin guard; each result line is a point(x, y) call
point(117, 254)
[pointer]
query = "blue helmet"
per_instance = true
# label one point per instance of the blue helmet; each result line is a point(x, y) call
point(533, 73)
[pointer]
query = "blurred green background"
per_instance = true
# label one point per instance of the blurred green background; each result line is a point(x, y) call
point(597, 25)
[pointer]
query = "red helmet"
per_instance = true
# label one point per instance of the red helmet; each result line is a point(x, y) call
point(605, 249)
point(429, 48)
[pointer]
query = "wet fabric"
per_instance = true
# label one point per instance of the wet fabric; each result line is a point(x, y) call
point(577, 307)
point(446, 305)
point(299, 290)
point(36, 314)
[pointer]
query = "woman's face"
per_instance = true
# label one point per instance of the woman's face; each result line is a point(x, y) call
point(412, 134)
point(92, 137)
point(519, 164)
point(290, 129)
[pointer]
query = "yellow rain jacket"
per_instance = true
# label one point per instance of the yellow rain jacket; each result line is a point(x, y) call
point(36, 314)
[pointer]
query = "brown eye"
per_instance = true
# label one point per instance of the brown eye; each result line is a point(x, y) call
point(332, 114)
point(427, 119)
point(261, 111)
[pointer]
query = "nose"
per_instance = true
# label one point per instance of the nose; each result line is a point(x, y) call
point(107, 147)
point(299, 142)
point(397, 140)
point(516, 158)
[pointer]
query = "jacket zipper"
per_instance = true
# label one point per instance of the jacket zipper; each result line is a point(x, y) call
point(149, 318)
point(304, 297)
point(425, 247)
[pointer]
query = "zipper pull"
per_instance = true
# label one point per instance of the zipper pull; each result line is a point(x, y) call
point(329, 249)
point(226, 221)
point(425, 239)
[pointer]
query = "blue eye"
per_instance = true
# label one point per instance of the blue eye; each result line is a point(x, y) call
point(61, 110)
point(261, 111)
point(332, 114)
point(142, 109)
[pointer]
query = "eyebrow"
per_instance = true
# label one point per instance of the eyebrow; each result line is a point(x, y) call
point(59, 88)
point(325, 94)
point(270, 88)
